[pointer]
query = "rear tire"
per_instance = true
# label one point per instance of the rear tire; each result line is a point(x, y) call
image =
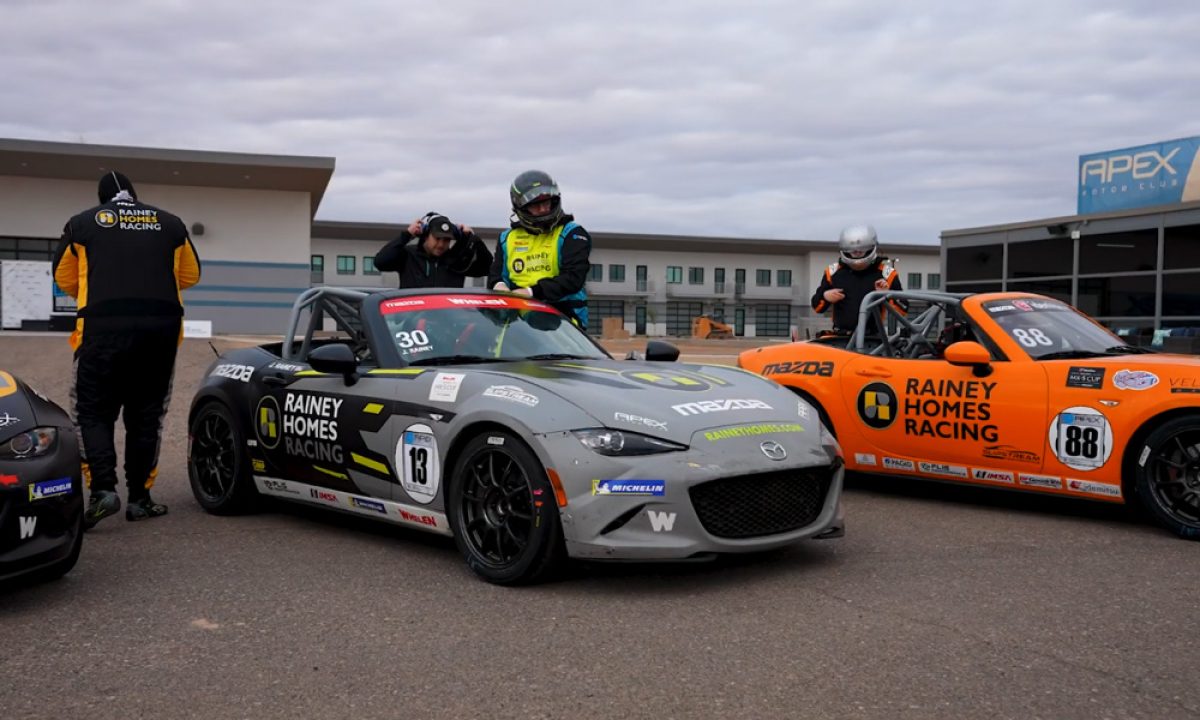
point(218, 464)
point(503, 511)
point(1168, 481)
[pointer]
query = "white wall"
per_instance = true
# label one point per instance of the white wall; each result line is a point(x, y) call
point(245, 225)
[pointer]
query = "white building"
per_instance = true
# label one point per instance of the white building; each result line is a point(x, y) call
point(252, 224)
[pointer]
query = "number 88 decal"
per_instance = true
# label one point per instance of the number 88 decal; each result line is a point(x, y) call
point(1081, 438)
point(1032, 337)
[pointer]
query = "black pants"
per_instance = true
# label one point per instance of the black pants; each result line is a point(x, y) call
point(127, 373)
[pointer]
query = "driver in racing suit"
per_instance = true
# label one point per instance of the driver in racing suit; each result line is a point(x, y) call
point(859, 271)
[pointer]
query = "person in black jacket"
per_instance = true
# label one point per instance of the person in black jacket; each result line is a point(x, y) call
point(860, 269)
point(446, 255)
point(126, 262)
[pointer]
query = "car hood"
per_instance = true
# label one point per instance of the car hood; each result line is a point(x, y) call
point(16, 415)
point(672, 401)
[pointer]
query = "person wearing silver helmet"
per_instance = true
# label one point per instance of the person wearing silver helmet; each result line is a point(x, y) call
point(860, 269)
point(545, 255)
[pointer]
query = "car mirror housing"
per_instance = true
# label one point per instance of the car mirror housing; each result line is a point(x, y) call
point(969, 353)
point(659, 351)
point(336, 359)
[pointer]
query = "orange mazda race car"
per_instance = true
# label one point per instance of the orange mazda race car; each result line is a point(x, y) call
point(1005, 390)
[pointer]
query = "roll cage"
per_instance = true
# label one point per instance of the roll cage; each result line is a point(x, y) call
point(933, 320)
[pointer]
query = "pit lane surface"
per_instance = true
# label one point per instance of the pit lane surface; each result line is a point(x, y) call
point(940, 602)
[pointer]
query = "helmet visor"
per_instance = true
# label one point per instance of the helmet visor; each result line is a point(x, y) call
point(534, 194)
point(856, 253)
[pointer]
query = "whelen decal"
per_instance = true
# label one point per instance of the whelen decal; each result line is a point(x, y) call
point(445, 302)
point(392, 512)
point(1042, 481)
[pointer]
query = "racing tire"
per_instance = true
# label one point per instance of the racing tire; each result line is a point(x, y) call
point(503, 511)
point(1167, 475)
point(218, 464)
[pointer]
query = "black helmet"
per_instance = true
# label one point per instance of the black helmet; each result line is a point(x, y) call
point(532, 186)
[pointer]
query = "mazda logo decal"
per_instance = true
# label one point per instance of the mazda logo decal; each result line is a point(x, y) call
point(773, 450)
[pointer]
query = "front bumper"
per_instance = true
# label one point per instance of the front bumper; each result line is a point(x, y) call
point(697, 502)
point(39, 530)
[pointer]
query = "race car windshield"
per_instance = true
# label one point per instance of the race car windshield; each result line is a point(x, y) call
point(452, 329)
point(1048, 330)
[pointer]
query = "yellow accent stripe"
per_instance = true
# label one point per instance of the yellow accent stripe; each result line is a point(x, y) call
point(648, 377)
point(373, 408)
point(396, 371)
point(368, 462)
point(335, 473)
point(309, 373)
point(588, 367)
point(685, 381)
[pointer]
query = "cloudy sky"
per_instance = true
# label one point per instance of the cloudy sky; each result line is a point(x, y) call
point(753, 118)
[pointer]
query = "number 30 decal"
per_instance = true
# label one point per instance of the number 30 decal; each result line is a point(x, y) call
point(416, 338)
point(417, 458)
point(1081, 438)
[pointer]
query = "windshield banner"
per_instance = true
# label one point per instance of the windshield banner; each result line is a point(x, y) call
point(1158, 174)
point(446, 302)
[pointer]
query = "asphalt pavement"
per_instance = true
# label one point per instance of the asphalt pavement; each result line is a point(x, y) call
point(940, 602)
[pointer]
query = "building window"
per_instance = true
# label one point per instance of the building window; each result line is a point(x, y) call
point(981, 262)
point(369, 265)
point(27, 249)
point(914, 282)
point(674, 274)
point(596, 273)
point(345, 265)
point(1038, 258)
point(616, 273)
point(772, 320)
point(1181, 247)
point(935, 281)
point(762, 278)
point(695, 276)
point(1119, 296)
point(317, 263)
point(598, 310)
point(1119, 252)
point(783, 278)
point(642, 273)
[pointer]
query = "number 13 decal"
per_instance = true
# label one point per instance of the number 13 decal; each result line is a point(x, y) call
point(417, 459)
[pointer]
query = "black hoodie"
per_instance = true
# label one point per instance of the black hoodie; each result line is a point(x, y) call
point(467, 257)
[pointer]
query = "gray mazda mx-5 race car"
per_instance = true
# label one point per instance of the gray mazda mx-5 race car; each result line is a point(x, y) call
point(491, 418)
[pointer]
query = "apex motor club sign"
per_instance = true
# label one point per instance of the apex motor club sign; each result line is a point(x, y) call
point(1157, 174)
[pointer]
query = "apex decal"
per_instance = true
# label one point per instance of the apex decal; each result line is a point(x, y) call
point(1140, 166)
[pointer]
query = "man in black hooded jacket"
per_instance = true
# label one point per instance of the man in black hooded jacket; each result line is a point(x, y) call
point(446, 255)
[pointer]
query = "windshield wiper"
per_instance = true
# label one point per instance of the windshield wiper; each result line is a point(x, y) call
point(560, 356)
point(1064, 354)
point(456, 360)
point(1126, 350)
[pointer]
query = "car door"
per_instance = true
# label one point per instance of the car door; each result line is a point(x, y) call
point(932, 418)
point(314, 429)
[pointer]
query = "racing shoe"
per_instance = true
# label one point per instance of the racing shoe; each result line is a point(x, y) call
point(101, 504)
point(144, 508)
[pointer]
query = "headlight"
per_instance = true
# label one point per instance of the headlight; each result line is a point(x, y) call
point(619, 442)
point(30, 444)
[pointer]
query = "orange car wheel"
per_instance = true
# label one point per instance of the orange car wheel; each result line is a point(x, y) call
point(1167, 475)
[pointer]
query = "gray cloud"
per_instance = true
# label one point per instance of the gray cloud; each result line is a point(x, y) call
point(770, 119)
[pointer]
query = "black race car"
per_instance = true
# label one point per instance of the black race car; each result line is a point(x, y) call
point(41, 490)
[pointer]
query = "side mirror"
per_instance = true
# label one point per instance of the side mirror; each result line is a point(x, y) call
point(659, 351)
point(969, 353)
point(336, 359)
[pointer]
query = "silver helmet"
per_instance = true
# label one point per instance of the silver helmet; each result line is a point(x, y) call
point(858, 246)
